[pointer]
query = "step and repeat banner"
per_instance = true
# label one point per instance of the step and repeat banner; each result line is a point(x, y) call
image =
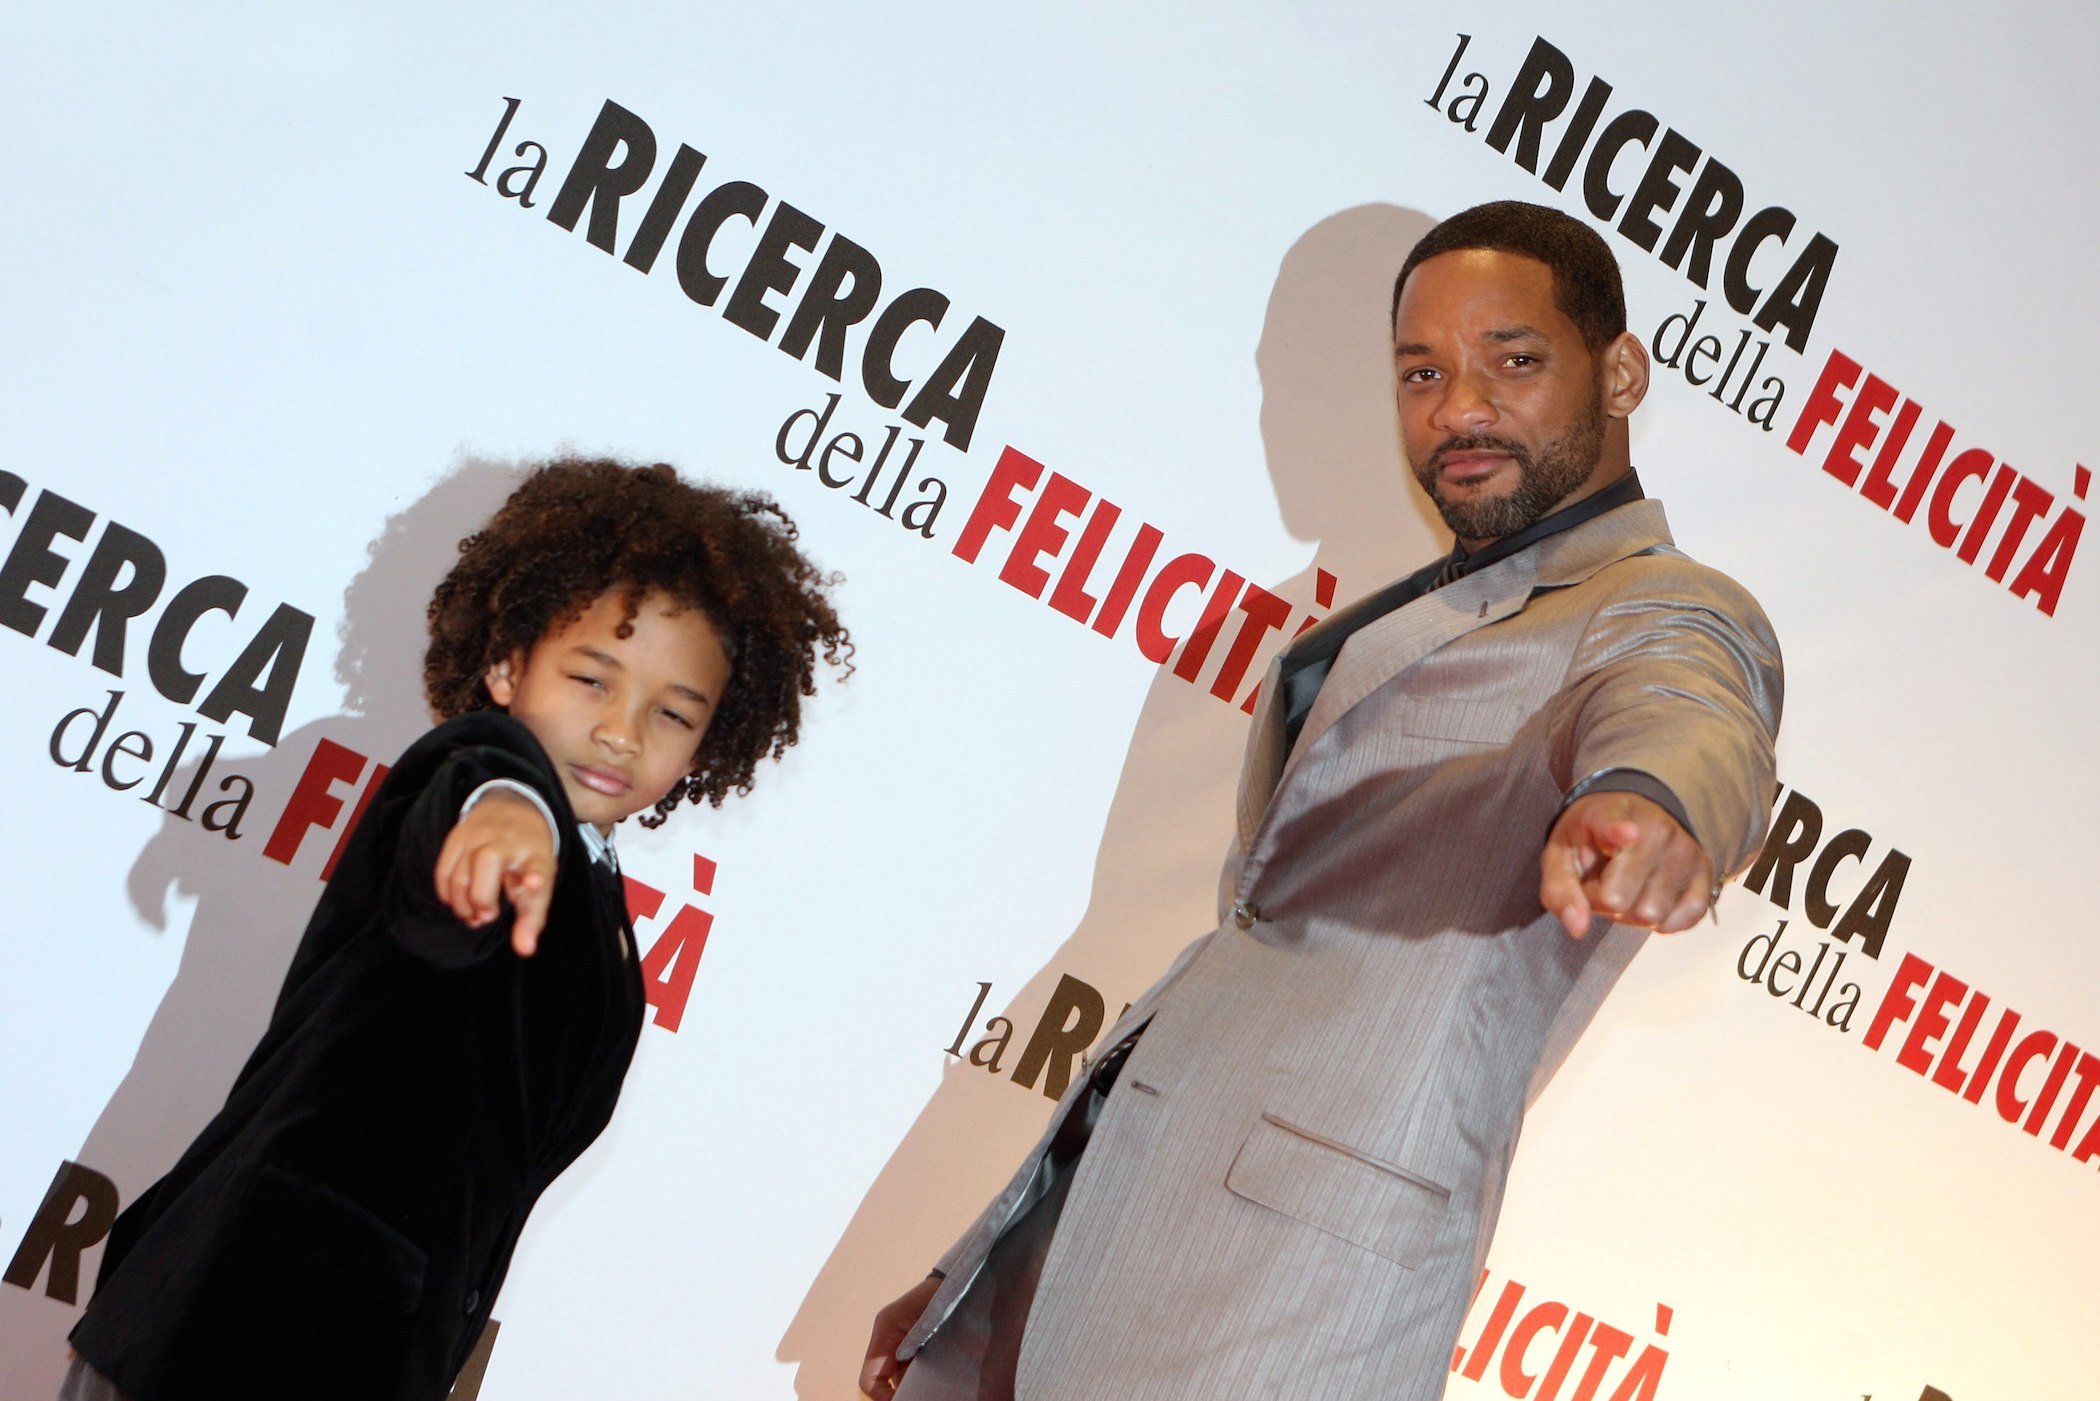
point(1061, 334)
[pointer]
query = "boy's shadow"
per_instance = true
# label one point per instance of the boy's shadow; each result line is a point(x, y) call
point(1331, 438)
point(249, 909)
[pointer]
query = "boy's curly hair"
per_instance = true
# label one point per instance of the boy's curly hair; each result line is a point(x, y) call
point(577, 529)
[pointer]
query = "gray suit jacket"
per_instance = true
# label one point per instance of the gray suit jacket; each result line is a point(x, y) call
point(1292, 1189)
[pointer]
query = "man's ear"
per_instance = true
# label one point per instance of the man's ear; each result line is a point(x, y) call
point(1625, 366)
point(502, 679)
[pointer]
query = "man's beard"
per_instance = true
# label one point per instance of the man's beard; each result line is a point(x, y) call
point(1543, 482)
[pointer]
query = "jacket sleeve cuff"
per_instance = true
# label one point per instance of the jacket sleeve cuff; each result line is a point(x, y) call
point(1638, 782)
point(1641, 784)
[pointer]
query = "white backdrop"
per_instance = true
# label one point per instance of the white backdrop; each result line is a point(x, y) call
point(261, 314)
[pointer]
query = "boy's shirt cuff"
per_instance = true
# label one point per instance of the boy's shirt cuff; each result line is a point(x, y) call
point(523, 790)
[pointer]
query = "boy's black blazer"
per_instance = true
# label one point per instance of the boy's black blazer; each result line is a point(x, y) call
point(340, 1228)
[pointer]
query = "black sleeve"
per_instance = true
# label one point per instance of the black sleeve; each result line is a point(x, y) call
point(409, 909)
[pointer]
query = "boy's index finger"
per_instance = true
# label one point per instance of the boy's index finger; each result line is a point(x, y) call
point(530, 887)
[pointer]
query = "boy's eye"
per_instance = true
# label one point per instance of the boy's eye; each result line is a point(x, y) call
point(585, 679)
point(682, 720)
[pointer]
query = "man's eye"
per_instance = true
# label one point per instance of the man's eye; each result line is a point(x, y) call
point(1421, 375)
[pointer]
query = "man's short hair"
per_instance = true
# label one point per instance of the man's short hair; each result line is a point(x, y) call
point(1586, 284)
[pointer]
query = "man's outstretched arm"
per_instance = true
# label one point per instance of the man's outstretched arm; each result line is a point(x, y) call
point(1665, 740)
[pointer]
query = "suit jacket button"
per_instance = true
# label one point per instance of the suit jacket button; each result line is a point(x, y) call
point(1245, 913)
point(473, 1300)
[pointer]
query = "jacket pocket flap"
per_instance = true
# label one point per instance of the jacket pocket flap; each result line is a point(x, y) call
point(1333, 1188)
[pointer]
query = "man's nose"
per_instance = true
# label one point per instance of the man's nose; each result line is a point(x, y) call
point(1464, 406)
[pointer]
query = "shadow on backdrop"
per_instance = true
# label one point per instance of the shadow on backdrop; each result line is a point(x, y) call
point(1331, 439)
point(249, 909)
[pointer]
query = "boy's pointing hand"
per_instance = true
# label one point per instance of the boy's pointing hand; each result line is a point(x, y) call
point(501, 848)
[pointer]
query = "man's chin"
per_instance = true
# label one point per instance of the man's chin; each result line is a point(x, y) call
point(1482, 518)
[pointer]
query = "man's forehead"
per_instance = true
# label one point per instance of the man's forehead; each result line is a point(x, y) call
point(1481, 292)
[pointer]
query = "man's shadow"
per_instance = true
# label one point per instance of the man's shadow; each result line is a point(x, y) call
point(1331, 438)
point(250, 910)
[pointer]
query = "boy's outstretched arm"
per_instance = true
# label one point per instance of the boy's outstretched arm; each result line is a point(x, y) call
point(501, 846)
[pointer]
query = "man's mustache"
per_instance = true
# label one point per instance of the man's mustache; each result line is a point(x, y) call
point(1475, 442)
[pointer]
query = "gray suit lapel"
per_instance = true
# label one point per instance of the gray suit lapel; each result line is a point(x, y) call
point(1264, 765)
point(1376, 653)
point(1381, 650)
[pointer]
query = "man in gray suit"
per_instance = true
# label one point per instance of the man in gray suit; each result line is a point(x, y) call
point(1292, 1187)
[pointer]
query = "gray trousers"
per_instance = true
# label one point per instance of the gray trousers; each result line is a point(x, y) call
point(84, 1383)
point(974, 1355)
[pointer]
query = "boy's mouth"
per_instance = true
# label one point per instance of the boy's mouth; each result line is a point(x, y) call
point(601, 780)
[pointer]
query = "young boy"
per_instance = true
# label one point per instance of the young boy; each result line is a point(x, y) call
point(463, 1006)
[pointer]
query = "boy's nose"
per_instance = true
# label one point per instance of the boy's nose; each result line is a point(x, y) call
point(616, 732)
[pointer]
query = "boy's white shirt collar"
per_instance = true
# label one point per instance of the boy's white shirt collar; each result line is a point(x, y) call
point(598, 844)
